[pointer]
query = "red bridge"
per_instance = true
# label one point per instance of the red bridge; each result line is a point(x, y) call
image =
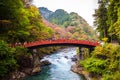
point(68, 42)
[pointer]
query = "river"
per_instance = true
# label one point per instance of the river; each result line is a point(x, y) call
point(60, 67)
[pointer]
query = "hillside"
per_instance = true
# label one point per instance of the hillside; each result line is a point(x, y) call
point(75, 25)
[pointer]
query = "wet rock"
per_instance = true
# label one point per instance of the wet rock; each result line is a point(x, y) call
point(41, 55)
point(66, 57)
point(74, 58)
point(27, 71)
point(36, 70)
point(77, 68)
point(29, 65)
point(17, 75)
point(45, 63)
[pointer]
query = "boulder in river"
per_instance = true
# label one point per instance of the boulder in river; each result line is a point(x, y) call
point(74, 58)
point(66, 57)
point(45, 63)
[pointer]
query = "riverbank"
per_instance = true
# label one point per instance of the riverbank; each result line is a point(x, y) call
point(28, 66)
point(79, 69)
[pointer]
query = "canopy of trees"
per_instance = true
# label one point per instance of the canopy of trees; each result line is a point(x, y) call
point(20, 24)
point(107, 19)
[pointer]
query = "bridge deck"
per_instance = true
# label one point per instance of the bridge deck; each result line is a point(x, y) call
point(59, 42)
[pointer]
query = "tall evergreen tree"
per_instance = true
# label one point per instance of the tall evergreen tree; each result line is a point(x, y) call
point(107, 19)
point(101, 18)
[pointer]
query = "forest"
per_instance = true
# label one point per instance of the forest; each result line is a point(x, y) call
point(21, 22)
point(107, 20)
point(68, 25)
point(104, 62)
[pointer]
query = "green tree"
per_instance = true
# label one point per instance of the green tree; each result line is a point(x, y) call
point(113, 20)
point(101, 18)
point(7, 60)
point(107, 19)
point(15, 15)
point(21, 24)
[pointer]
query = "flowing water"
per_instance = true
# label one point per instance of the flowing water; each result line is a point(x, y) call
point(60, 67)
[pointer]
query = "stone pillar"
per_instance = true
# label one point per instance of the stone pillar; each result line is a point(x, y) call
point(81, 53)
point(90, 50)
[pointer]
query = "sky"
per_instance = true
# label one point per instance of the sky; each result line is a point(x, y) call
point(84, 8)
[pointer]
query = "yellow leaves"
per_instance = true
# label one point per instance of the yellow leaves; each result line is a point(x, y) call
point(99, 49)
point(105, 39)
point(107, 50)
point(33, 12)
point(23, 33)
point(117, 28)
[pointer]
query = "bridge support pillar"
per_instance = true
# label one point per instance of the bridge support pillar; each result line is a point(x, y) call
point(81, 53)
point(90, 50)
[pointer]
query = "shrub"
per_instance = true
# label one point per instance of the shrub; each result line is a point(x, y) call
point(105, 60)
point(94, 65)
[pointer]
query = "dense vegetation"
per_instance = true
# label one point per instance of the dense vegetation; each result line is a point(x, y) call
point(105, 62)
point(10, 58)
point(105, 59)
point(7, 59)
point(19, 23)
point(107, 20)
point(74, 24)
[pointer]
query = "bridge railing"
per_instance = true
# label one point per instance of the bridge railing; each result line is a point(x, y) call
point(58, 41)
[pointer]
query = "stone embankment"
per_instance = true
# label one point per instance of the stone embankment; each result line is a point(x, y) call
point(77, 68)
point(29, 66)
